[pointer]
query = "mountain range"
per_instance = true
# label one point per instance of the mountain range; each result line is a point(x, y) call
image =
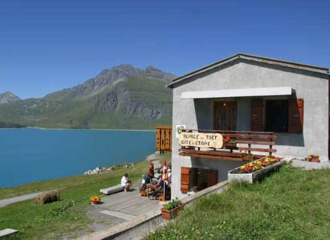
point(123, 97)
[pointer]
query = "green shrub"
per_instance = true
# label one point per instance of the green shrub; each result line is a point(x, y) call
point(173, 204)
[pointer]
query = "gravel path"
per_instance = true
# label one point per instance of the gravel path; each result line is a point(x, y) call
point(5, 202)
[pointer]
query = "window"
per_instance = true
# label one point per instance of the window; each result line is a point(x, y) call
point(197, 179)
point(277, 115)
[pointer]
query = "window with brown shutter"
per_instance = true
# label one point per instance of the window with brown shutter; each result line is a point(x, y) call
point(257, 115)
point(197, 178)
point(296, 115)
point(185, 179)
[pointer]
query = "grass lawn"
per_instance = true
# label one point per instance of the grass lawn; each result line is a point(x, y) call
point(66, 217)
point(291, 204)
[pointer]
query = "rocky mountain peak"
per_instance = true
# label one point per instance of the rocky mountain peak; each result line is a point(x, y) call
point(154, 72)
point(109, 78)
point(8, 97)
point(117, 72)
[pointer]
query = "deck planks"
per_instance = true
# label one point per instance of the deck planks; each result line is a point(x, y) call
point(127, 204)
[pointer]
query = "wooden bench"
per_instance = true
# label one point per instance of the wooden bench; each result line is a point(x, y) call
point(246, 142)
point(7, 232)
point(111, 190)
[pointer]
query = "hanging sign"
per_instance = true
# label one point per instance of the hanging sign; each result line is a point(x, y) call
point(202, 140)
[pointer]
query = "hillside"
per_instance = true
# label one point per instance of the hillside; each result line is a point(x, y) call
point(290, 204)
point(120, 97)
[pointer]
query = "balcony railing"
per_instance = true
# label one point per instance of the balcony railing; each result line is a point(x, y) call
point(242, 146)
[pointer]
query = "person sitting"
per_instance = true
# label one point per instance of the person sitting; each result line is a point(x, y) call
point(158, 189)
point(125, 182)
point(144, 182)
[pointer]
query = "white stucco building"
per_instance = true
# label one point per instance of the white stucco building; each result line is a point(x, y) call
point(250, 93)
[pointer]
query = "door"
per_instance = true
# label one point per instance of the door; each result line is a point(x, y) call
point(225, 115)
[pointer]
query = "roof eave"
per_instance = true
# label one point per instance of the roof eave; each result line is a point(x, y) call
point(311, 68)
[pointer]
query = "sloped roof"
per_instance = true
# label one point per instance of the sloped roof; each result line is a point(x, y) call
point(271, 61)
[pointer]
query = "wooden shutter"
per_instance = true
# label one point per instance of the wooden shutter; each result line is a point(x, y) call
point(167, 139)
point(225, 115)
point(158, 139)
point(257, 115)
point(162, 139)
point(185, 179)
point(296, 115)
point(212, 176)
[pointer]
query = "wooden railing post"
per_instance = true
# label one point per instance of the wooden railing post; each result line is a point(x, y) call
point(270, 146)
point(249, 145)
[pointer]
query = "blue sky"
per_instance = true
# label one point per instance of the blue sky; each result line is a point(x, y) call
point(50, 45)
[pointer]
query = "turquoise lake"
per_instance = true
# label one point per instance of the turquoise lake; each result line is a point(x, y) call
point(29, 155)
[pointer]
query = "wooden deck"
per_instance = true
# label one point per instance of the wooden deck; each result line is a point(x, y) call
point(127, 205)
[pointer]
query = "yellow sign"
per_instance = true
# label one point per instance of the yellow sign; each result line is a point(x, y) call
point(203, 140)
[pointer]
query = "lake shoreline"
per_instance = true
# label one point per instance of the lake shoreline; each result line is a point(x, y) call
point(150, 157)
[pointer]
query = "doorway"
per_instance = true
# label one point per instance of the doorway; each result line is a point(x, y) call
point(225, 115)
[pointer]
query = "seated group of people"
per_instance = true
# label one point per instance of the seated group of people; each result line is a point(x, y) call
point(154, 186)
point(150, 183)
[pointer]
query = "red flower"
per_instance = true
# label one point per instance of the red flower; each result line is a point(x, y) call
point(227, 139)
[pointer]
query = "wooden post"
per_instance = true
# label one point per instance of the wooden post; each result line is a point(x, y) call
point(249, 145)
point(270, 146)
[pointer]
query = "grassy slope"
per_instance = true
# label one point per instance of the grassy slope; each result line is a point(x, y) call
point(291, 204)
point(66, 216)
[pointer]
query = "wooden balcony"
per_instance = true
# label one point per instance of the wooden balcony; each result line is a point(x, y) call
point(259, 144)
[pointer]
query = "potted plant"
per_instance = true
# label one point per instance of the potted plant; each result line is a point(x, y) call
point(95, 199)
point(230, 142)
point(313, 158)
point(247, 156)
point(171, 209)
point(256, 170)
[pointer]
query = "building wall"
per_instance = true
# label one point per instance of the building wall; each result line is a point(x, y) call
point(197, 114)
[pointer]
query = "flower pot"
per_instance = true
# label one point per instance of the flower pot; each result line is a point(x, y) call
point(95, 202)
point(254, 176)
point(315, 159)
point(170, 214)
